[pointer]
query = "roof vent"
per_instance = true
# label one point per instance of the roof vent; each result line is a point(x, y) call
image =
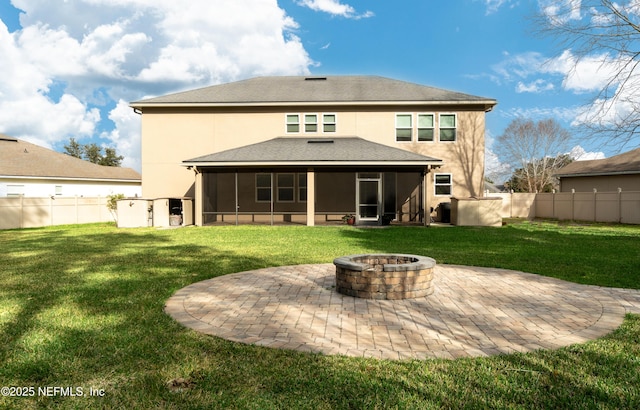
point(322, 141)
point(315, 78)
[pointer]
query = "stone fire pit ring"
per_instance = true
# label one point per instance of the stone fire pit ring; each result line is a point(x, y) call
point(384, 276)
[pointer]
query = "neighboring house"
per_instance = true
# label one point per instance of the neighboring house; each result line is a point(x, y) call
point(33, 171)
point(605, 175)
point(305, 149)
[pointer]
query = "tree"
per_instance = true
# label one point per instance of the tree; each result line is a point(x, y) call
point(74, 148)
point(536, 150)
point(523, 179)
point(605, 36)
point(93, 153)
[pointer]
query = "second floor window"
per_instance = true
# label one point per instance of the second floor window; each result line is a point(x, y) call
point(293, 123)
point(404, 127)
point(447, 127)
point(425, 127)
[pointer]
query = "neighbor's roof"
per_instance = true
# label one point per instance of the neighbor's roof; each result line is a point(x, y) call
point(626, 163)
point(298, 90)
point(21, 159)
point(292, 151)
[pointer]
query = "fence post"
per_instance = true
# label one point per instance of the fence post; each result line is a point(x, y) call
point(619, 205)
point(573, 204)
point(595, 203)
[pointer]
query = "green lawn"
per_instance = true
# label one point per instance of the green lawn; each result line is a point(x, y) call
point(82, 306)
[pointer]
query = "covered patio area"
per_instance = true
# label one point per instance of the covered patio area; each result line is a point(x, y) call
point(312, 181)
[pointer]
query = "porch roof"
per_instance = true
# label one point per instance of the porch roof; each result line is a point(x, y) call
point(317, 152)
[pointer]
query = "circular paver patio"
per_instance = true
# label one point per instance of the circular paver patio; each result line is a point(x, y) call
point(472, 312)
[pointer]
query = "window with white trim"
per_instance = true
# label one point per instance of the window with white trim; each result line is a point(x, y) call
point(328, 122)
point(293, 123)
point(425, 127)
point(447, 126)
point(263, 187)
point(310, 123)
point(15, 190)
point(302, 187)
point(286, 187)
point(443, 184)
point(58, 190)
point(404, 127)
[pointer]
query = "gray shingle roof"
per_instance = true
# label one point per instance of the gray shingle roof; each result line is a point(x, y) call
point(314, 151)
point(22, 159)
point(331, 89)
point(626, 163)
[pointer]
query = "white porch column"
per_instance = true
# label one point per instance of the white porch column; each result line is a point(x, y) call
point(311, 197)
point(197, 200)
point(426, 209)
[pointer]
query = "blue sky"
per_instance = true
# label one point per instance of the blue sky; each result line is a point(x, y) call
point(71, 67)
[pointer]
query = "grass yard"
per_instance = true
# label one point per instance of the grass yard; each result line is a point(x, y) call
point(81, 307)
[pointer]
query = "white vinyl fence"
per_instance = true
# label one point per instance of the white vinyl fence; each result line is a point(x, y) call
point(28, 212)
point(619, 207)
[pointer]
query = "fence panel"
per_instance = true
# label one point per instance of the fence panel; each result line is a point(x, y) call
point(620, 206)
point(28, 212)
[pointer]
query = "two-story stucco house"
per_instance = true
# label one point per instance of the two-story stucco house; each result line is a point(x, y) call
point(311, 149)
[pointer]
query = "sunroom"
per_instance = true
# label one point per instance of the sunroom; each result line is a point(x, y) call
point(312, 181)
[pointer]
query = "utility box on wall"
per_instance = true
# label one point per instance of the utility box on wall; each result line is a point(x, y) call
point(172, 212)
point(134, 213)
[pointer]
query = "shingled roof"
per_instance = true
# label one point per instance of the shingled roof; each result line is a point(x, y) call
point(626, 163)
point(293, 151)
point(19, 158)
point(303, 90)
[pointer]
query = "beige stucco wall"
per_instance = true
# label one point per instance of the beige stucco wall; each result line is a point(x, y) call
point(168, 138)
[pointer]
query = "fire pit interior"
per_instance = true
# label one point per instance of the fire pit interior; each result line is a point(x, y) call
point(384, 276)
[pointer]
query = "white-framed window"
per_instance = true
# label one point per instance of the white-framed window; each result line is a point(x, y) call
point(15, 190)
point(311, 123)
point(443, 184)
point(448, 124)
point(329, 122)
point(302, 187)
point(58, 190)
point(404, 127)
point(426, 125)
point(293, 123)
point(286, 187)
point(263, 187)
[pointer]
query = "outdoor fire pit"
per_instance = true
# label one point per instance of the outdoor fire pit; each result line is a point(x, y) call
point(384, 276)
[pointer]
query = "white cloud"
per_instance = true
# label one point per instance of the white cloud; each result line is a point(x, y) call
point(74, 57)
point(126, 135)
point(494, 169)
point(578, 153)
point(335, 8)
point(536, 86)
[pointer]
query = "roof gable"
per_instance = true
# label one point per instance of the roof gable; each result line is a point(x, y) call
point(314, 151)
point(331, 89)
point(626, 163)
point(19, 158)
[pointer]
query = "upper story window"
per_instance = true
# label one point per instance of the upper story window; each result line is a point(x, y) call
point(404, 127)
point(447, 126)
point(328, 123)
point(425, 127)
point(293, 122)
point(310, 123)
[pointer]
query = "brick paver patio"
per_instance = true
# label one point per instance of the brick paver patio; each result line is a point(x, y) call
point(472, 312)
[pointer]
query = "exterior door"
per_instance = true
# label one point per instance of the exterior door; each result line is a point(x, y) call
point(369, 196)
